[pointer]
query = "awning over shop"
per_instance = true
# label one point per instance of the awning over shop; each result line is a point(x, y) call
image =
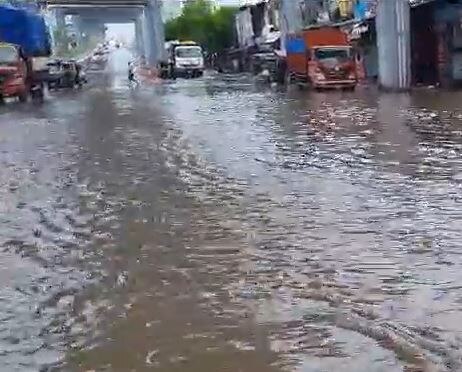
point(358, 30)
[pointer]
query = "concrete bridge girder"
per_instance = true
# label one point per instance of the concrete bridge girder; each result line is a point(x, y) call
point(92, 3)
point(104, 13)
point(144, 14)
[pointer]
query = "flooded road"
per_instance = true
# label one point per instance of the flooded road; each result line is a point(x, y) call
point(214, 225)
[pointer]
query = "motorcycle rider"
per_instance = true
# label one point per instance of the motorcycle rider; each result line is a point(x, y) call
point(131, 73)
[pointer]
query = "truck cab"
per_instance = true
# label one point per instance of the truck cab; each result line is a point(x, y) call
point(13, 72)
point(322, 57)
point(332, 66)
point(186, 59)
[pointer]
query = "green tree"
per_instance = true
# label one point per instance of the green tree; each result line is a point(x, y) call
point(200, 22)
point(61, 40)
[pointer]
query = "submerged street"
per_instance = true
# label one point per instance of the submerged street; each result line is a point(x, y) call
point(217, 225)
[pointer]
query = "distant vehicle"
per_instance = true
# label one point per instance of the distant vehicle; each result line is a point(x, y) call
point(55, 73)
point(99, 56)
point(65, 74)
point(185, 59)
point(72, 74)
point(321, 57)
point(97, 61)
point(82, 76)
point(24, 38)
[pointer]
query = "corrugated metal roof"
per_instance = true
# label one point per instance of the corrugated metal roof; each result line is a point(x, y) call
point(419, 2)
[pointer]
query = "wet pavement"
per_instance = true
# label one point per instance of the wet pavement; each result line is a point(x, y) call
point(216, 225)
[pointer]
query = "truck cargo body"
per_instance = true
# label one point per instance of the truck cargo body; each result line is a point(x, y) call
point(24, 38)
point(25, 29)
point(322, 58)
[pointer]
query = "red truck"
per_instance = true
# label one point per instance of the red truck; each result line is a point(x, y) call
point(24, 45)
point(321, 57)
point(15, 73)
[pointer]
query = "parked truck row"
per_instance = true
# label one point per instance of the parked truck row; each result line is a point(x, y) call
point(25, 64)
point(317, 57)
point(24, 42)
point(273, 43)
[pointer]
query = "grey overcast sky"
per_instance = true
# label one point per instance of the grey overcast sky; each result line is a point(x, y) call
point(127, 32)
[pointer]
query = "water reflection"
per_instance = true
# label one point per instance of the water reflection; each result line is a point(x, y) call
point(232, 228)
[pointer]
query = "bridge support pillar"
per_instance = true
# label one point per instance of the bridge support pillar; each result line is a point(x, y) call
point(59, 30)
point(148, 28)
point(79, 29)
point(153, 33)
point(139, 36)
point(60, 19)
point(93, 30)
point(394, 45)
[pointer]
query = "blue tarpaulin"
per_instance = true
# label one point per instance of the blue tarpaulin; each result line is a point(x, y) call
point(360, 10)
point(26, 29)
point(295, 46)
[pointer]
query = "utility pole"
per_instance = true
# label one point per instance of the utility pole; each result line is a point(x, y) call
point(394, 44)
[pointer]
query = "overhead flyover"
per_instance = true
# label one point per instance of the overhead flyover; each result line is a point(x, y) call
point(93, 3)
point(144, 14)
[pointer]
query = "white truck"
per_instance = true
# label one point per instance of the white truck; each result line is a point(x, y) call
point(185, 59)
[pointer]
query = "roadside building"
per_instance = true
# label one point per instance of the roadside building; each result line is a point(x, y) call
point(435, 34)
point(437, 43)
point(364, 39)
point(257, 29)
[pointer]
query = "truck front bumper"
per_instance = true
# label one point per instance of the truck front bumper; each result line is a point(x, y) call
point(186, 71)
point(12, 88)
point(334, 84)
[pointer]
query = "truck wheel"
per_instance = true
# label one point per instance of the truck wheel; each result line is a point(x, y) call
point(37, 95)
point(23, 97)
point(287, 79)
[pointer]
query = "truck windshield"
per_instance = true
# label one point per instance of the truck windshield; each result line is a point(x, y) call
point(188, 52)
point(8, 55)
point(332, 55)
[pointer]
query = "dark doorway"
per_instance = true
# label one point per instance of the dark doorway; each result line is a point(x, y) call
point(424, 47)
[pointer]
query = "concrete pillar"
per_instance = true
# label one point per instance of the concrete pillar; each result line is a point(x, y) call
point(93, 28)
point(60, 18)
point(59, 31)
point(159, 30)
point(139, 36)
point(77, 20)
point(153, 33)
point(394, 44)
point(147, 50)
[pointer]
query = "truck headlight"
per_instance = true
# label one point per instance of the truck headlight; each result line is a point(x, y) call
point(320, 76)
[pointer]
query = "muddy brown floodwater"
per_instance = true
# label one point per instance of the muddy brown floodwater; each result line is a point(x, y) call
point(214, 225)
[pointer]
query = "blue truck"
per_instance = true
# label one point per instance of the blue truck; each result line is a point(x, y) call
point(24, 41)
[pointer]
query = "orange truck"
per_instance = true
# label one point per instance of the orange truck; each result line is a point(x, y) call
point(322, 58)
